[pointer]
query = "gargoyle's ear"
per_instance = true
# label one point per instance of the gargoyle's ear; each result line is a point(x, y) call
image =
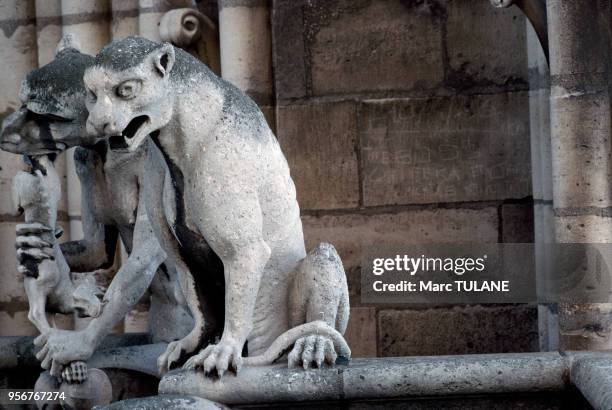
point(67, 41)
point(163, 59)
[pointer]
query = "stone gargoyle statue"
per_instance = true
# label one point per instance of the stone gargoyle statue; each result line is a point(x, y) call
point(228, 192)
point(51, 120)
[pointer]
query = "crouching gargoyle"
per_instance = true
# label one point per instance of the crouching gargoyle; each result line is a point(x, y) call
point(228, 191)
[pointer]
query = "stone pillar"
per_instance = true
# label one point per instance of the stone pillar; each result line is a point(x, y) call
point(149, 15)
point(48, 28)
point(48, 35)
point(124, 18)
point(246, 50)
point(579, 43)
point(541, 168)
point(18, 53)
point(88, 21)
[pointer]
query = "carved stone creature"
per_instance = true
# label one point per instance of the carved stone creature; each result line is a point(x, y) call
point(194, 32)
point(229, 192)
point(52, 119)
point(47, 280)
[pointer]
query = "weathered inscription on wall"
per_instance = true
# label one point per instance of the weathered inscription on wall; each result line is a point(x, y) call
point(460, 148)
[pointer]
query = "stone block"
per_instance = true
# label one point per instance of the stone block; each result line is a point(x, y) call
point(373, 46)
point(590, 20)
point(319, 141)
point(84, 7)
point(458, 330)
point(583, 228)
point(351, 234)
point(485, 45)
point(10, 164)
point(16, 324)
point(449, 149)
point(17, 51)
point(288, 49)
point(361, 332)
point(517, 223)
point(581, 146)
point(136, 322)
point(244, 32)
point(16, 10)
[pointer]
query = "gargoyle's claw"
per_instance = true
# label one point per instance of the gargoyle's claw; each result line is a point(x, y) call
point(319, 353)
point(56, 369)
point(38, 254)
point(294, 357)
point(330, 353)
point(308, 352)
point(197, 361)
point(216, 360)
point(31, 242)
point(46, 363)
point(165, 361)
point(312, 351)
point(40, 340)
point(32, 228)
point(40, 355)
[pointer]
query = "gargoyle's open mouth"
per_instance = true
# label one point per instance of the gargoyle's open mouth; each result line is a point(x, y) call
point(135, 131)
point(130, 131)
point(117, 143)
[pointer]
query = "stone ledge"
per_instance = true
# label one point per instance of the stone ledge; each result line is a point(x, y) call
point(379, 378)
point(593, 377)
point(19, 350)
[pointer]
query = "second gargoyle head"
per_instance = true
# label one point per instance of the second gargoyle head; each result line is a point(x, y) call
point(53, 112)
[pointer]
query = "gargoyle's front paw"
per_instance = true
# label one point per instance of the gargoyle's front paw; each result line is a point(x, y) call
point(176, 350)
point(75, 372)
point(312, 350)
point(217, 359)
point(173, 353)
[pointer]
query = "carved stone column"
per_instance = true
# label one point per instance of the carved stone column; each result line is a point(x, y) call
point(541, 176)
point(88, 21)
point(124, 18)
point(246, 50)
point(579, 43)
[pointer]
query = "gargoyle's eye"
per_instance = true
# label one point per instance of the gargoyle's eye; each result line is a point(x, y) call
point(91, 96)
point(128, 89)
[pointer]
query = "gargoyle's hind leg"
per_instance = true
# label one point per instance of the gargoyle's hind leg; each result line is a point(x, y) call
point(319, 292)
point(192, 340)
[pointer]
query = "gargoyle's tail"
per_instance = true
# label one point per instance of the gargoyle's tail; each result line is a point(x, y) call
point(284, 342)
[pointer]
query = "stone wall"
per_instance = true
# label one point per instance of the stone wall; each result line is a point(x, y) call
point(408, 121)
point(402, 120)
